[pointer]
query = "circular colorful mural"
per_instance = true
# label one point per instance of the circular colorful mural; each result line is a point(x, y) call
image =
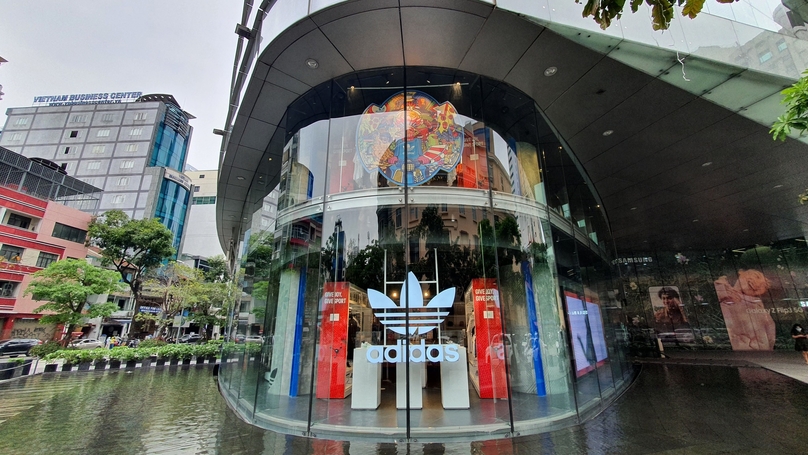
point(433, 140)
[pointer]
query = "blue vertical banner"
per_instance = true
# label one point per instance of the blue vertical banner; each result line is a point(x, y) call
point(298, 340)
point(533, 325)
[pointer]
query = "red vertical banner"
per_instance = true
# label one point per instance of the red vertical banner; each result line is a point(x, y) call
point(490, 346)
point(333, 350)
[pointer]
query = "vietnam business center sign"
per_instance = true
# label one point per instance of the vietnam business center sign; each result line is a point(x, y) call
point(86, 98)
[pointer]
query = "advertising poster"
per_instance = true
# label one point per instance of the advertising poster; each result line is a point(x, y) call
point(749, 323)
point(582, 347)
point(670, 319)
point(598, 338)
point(490, 346)
point(333, 353)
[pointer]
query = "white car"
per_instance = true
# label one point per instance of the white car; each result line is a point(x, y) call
point(86, 344)
point(254, 339)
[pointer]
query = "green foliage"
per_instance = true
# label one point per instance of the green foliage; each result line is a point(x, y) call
point(68, 355)
point(259, 256)
point(796, 116)
point(218, 271)
point(46, 348)
point(662, 11)
point(151, 343)
point(65, 286)
point(122, 353)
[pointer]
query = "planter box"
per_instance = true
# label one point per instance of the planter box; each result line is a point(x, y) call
point(26, 367)
point(114, 364)
point(211, 359)
point(186, 361)
point(161, 361)
point(100, 365)
point(7, 370)
point(130, 364)
point(67, 367)
point(145, 363)
point(173, 361)
point(84, 366)
point(51, 368)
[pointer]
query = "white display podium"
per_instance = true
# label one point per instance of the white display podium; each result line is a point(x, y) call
point(454, 382)
point(367, 380)
point(417, 378)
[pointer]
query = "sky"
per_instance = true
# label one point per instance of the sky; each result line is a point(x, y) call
point(181, 47)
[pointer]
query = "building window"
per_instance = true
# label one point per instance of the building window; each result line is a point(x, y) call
point(141, 116)
point(267, 207)
point(123, 181)
point(21, 121)
point(127, 164)
point(204, 200)
point(781, 45)
point(765, 57)
point(107, 118)
point(67, 150)
point(264, 222)
point(22, 222)
point(444, 208)
point(69, 233)
point(131, 147)
point(8, 288)
point(11, 253)
point(102, 133)
point(196, 188)
point(474, 213)
point(78, 119)
point(15, 136)
point(74, 133)
point(99, 149)
point(93, 165)
point(398, 218)
point(46, 259)
point(136, 131)
point(201, 176)
point(462, 209)
point(118, 199)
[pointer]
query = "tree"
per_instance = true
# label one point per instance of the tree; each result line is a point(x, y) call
point(65, 286)
point(217, 272)
point(796, 116)
point(131, 246)
point(177, 287)
point(662, 11)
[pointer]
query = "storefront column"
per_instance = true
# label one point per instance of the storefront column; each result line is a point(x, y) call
point(7, 326)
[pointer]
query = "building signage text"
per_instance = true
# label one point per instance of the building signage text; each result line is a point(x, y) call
point(86, 98)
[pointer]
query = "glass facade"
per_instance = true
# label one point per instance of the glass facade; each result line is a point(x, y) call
point(171, 140)
point(172, 207)
point(440, 268)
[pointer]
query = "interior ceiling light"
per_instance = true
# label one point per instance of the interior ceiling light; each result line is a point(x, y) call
point(707, 164)
point(634, 208)
point(240, 177)
point(695, 221)
point(608, 132)
point(778, 186)
point(550, 71)
point(311, 63)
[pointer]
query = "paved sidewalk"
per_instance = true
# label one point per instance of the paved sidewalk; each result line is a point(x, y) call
point(787, 363)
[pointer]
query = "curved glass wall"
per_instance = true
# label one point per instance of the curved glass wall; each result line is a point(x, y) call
point(171, 139)
point(440, 269)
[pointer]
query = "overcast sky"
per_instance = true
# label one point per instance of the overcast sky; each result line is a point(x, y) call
point(182, 47)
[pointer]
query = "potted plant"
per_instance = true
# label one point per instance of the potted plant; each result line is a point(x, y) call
point(99, 355)
point(169, 352)
point(185, 352)
point(70, 357)
point(116, 356)
point(50, 362)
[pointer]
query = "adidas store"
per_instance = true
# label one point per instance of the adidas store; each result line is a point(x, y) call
point(440, 266)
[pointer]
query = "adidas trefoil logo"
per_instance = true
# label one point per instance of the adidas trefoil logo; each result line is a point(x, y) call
point(422, 318)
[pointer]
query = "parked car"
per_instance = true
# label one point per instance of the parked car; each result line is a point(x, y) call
point(254, 339)
point(190, 338)
point(86, 344)
point(18, 346)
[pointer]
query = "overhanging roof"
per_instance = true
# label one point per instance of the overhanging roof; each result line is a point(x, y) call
point(650, 172)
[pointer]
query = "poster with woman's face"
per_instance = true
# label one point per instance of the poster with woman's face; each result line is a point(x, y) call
point(749, 322)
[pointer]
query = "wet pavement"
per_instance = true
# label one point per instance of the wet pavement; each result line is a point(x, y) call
point(682, 406)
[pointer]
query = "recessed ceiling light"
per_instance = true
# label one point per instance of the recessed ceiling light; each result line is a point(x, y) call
point(270, 158)
point(707, 164)
point(240, 177)
point(778, 186)
point(746, 230)
point(695, 221)
point(608, 132)
point(551, 71)
point(311, 63)
point(634, 208)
